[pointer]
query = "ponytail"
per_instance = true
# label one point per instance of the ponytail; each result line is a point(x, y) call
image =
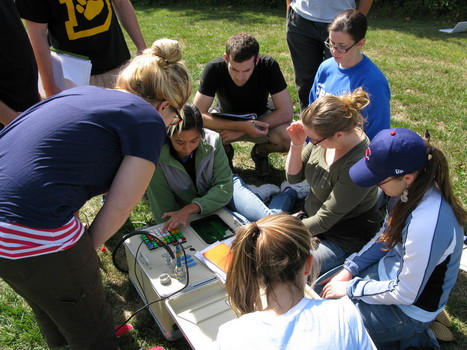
point(272, 250)
point(435, 173)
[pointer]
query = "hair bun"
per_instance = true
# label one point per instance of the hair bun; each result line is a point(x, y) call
point(168, 51)
point(357, 100)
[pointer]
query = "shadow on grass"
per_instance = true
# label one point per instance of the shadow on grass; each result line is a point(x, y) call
point(377, 19)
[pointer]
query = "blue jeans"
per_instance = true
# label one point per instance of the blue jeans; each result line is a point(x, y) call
point(329, 255)
point(387, 325)
point(250, 206)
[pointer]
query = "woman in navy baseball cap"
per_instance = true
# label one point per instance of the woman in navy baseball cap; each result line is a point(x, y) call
point(401, 280)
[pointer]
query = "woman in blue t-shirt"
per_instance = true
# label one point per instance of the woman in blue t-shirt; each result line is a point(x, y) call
point(57, 155)
point(193, 177)
point(350, 69)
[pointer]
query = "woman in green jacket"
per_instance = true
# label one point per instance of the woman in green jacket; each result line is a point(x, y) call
point(193, 177)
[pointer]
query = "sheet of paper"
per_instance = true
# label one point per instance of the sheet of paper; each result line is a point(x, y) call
point(218, 252)
point(68, 71)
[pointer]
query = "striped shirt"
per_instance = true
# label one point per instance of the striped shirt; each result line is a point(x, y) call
point(18, 241)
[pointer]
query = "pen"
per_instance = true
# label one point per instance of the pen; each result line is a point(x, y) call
point(256, 126)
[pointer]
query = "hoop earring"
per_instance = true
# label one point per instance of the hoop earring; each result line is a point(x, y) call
point(405, 196)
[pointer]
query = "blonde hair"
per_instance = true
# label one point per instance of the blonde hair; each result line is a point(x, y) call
point(272, 250)
point(158, 74)
point(330, 114)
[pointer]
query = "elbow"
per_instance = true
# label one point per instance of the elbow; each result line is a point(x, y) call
point(288, 116)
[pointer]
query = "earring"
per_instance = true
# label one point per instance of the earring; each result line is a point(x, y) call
point(405, 196)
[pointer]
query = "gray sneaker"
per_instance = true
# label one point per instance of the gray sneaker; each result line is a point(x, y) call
point(302, 188)
point(264, 192)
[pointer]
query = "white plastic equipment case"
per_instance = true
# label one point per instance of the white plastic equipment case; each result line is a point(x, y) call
point(198, 310)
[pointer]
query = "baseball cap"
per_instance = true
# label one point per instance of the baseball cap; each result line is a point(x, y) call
point(392, 152)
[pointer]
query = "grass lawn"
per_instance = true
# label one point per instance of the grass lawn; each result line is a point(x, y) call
point(426, 69)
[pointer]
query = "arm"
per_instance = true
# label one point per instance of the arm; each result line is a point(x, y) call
point(39, 42)
point(372, 252)
point(283, 113)
point(7, 114)
point(364, 6)
point(287, 5)
point(294, 164)
point(127, 188)
point(160, 195)
point(377, 113)
point(127, 17)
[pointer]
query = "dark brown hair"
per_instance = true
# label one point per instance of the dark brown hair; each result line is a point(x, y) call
point(352, 22)
point(435, 173)
point(241, 47)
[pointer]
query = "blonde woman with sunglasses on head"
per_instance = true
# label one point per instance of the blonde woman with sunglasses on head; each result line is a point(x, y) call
point(58, 154)
point(341, 214)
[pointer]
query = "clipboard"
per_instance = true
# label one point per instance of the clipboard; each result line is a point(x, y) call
point(69, 70)
point(231, 116)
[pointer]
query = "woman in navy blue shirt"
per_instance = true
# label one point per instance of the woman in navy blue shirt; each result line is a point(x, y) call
point(53, 158)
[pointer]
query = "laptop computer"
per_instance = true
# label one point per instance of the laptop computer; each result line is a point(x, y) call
point(460, 27)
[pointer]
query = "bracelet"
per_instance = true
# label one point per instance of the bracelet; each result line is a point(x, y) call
point(294, 145)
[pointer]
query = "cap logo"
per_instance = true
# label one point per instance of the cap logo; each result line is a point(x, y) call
point(398, 171)
point(367, 153)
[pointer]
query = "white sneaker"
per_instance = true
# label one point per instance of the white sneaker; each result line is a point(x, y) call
point(302, 188)
point(265, 191)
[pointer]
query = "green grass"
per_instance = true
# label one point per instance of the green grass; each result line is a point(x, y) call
point(426, 70)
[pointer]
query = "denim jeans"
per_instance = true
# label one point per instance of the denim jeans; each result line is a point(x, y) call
point(329, 255)
point(387, 325)
point(250, 206)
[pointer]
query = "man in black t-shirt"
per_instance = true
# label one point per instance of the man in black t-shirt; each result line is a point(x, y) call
point(87, 28)
point(243, 80)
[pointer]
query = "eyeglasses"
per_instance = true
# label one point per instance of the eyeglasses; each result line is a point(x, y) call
point(340, 49)
point(314, 142)
point(178, 118)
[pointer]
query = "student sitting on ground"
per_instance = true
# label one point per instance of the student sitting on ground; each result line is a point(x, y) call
point(275, 255)
point(193, 177)
point(341, 214)
point(401, 280)
point(242, 80)
point(349, 69)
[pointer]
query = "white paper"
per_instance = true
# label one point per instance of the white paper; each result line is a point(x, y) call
point(213, 267)
point(68, 71)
